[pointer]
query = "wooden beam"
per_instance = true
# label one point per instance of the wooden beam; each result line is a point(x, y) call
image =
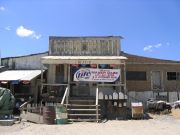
point(54, 84)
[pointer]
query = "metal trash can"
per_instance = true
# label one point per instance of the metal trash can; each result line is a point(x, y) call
point(137, 110)
point(61, 115)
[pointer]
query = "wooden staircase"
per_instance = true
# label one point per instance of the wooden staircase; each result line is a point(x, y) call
point(80, 109)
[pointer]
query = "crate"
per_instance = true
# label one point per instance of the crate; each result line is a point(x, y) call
point(137, 110)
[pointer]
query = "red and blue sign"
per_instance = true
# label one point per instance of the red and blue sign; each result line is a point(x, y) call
point(97, 75)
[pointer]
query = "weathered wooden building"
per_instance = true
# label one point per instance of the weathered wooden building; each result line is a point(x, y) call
point(140, 78)
point(84, 70)
point(70, 61)
point(152, 78)
point(22, 76)
point(29, 62)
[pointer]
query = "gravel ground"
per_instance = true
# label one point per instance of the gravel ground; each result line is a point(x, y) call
point(159, 125)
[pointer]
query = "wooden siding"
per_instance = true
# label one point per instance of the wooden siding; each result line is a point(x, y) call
point(86, 46)
point(168, 85)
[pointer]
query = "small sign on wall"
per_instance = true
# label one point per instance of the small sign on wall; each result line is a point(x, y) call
point(97, 75)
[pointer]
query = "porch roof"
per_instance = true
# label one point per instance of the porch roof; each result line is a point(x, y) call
point(83, 60)
point(20, 75)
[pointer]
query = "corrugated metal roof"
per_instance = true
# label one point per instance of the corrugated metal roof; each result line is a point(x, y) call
point(136, 59)
point(21, 75)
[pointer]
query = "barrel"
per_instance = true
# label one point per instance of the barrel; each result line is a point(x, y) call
point(49, 115)
point(61, 115)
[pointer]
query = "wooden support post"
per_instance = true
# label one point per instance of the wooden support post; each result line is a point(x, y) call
point(120, 78)
point(41, 79)
point(65, 73)
point(69, 80)
point(125, 88)
point(97, 96)
point(41, 90)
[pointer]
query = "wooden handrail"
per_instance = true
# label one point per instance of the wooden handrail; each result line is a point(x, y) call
point(65, 93)
point(25, 103)
point(97, 94)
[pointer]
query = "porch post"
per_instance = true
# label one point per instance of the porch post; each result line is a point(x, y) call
point(41, 78)
point(69, 79)
point(41, 90)
point(97, 98)
point(120, 77)
point(125, 88)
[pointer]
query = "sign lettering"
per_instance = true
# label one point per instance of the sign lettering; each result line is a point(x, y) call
point(96, 75)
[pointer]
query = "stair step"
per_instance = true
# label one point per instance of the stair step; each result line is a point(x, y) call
point(83, 114)
point(84, 120)
point(79, 100)
point(82, 98)
point(78, 105)
point(82, 109)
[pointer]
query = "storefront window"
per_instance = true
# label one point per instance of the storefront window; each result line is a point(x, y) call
point(136, 75)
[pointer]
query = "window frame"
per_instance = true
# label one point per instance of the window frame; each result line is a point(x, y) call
point(140, 79)
point(177, 78)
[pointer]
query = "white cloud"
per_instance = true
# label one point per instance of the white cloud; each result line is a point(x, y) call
point(8, 28)
point(24, 32)
point(36, 36)
point(158, 45)
point(2, 8)
point(150, 48)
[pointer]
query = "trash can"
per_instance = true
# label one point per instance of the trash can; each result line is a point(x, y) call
point(61, 115)
point(137, 110)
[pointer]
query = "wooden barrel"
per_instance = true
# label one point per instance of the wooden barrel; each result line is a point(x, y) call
point(61, 115)
point(49, 115)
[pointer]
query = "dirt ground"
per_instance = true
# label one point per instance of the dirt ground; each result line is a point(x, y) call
point(176, 113)
point(158, 125)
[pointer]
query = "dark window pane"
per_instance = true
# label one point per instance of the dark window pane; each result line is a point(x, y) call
point(136, 75)
point(171, 75)
point(178, 75)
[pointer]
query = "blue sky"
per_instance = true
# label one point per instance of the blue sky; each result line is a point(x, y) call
point(150, 27)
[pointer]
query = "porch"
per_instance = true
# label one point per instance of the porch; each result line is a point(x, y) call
point(83, 95)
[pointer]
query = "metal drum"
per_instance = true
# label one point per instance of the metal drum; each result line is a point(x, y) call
point(61, 115)
point(49, 115)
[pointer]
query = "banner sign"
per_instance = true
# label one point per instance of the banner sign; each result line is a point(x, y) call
point(96, 75)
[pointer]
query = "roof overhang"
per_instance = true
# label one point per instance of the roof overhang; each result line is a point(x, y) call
point(19, 75)
point(83, 60)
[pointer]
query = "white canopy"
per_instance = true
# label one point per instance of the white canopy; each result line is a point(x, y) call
point(21, 75)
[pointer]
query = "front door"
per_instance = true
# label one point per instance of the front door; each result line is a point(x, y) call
point(156, 80)
point(80, 89)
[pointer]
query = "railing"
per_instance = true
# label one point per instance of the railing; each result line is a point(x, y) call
point(52, 89)
point(65, 95)
point(25, 104)
point(54, 84)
